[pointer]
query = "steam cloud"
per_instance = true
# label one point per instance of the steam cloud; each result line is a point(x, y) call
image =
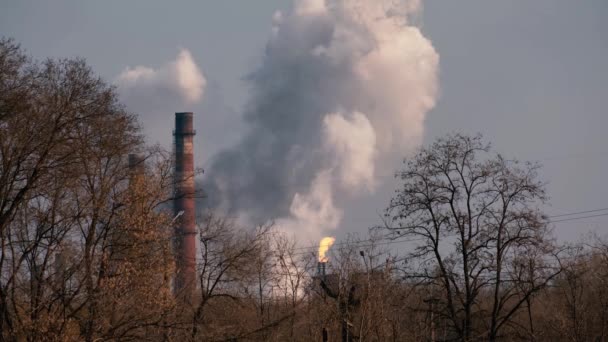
point(343, 86)
point(181, 76)
point(156, 92)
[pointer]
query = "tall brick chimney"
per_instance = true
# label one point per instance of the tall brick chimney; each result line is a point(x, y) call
point(185, 229)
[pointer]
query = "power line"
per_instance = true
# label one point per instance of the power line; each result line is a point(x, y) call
point(313, 247)
point(370, 243)
point(580, 212)
point(578, 218)
point(386, 240)
point(391, 240)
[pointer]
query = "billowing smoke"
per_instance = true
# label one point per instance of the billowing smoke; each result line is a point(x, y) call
point(157, 93)
point(180, 77)
point(344, 86)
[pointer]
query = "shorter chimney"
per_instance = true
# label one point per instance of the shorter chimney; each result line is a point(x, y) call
point(321, 269)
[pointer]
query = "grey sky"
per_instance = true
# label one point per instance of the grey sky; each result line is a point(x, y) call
point(530, 75)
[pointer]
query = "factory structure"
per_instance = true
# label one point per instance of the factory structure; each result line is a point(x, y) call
point(184, 209)
point(330, 287)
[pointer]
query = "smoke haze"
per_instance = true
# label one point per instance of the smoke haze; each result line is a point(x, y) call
point(342, 87)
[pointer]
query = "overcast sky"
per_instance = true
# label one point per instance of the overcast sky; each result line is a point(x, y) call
point(530, 75)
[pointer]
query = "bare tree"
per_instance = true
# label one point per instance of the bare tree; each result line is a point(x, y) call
point(227, 260)
point(474, 220)
point(65, 199)
point(292, 271)
point(576, 305)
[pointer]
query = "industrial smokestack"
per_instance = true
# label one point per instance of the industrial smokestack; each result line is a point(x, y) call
point(137, 165)
point(184, 206)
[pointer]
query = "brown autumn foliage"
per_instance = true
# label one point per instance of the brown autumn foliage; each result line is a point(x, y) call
point(86, 242)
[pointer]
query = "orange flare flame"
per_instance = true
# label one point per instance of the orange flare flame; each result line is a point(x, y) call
point(324, 246)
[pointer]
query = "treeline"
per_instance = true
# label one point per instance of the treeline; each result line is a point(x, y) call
point(86, 242)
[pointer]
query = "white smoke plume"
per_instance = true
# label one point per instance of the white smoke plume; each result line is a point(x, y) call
point(312, 210)
point(157, 93)
point(181, 76)
point(344, 87)
point(352, 142)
